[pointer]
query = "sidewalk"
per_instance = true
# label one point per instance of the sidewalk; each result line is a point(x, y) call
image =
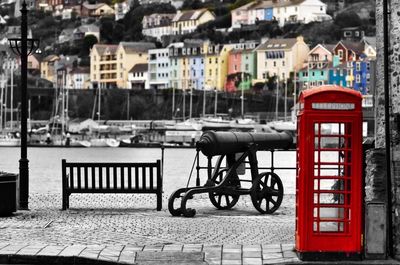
point(126, 229)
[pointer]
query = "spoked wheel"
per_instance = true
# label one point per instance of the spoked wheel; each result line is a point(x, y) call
point(223, 201)
point(176, 195)
point(267, 193)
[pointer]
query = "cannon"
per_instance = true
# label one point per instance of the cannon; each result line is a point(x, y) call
point(223, 184)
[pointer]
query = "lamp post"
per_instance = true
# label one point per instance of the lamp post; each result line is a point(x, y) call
point(23, 47)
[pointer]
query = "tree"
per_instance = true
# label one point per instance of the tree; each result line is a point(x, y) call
point(348, 19)
point(87, 44)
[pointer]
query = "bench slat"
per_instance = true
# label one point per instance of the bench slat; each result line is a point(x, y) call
point(129, 177)
point(86, 177)
point(100, 177)
point(143, 177)
point(151, 177)
point(79, 177)
point(93, 177)
point(122, 174)
point(136, 178)
point(115, 186)
point(71, 177)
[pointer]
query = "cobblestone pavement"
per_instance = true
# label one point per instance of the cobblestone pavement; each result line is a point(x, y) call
point(130, 222)
point(112, 228)
point(132, 219)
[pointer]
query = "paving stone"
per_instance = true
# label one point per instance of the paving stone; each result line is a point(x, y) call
point(73, 250)
point(231, 262)
point(133, 248)
point(231, 256)
point(230, 250)
point(11, 249)
point(272, 255)
point(274, 261)
point(3, 245)
point(213, 261)
point(289, 254)
point(173, 247)
point(288, 247)
point(153, 248)
point(31, 249)
point(252, 261)
point(251, 248)
point(170, 256)
point(51, 250)
point(127, 255)
point(252, 254)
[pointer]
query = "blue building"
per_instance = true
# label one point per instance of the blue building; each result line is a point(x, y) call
point(361, 73)
point(338, 73)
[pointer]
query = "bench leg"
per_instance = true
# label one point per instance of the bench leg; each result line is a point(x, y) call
point(64, 201)
point(159, 201)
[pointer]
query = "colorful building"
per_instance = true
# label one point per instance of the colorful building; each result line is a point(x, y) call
point(129, 54)
point(299, 11)
point(159, 68)
point(187, 21)
point(280, 57)
point(241, 66)
point(316, 70)
point(338, 73)
point(103, 65)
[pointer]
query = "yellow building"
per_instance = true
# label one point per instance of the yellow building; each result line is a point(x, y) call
point(128, 55)
point(110, 64)
point(103, 65)
point(47, 67)
point(216, 65)
point(187, 21)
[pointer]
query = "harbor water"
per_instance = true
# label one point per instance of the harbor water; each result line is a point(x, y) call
point(45, 164)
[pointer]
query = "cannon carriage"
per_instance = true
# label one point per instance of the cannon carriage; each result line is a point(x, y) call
point(223, 185)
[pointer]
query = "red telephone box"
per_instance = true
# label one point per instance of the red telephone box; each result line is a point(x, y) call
point(329, 174)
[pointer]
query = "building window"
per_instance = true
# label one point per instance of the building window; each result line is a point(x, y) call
point(120, 55)
point(283, 63)
point(340, 52)
point(358, 79)
point(209, 60)
point(246, 67)
point(274, 63)
point(358, 66)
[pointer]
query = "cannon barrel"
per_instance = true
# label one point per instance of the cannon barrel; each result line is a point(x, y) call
point(222, 143)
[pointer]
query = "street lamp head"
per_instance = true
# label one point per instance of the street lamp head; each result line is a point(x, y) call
point(16, 45)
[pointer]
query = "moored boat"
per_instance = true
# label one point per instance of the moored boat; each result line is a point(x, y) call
point(6, 140)
point(104, 142)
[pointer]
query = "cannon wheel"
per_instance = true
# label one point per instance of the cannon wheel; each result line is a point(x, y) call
point(175, 195)
point(223, 201)
point(267, 192)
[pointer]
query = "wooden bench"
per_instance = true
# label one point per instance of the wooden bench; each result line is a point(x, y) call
point(111, 178)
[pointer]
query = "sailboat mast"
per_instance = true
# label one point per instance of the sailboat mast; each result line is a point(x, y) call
point(12, 94)
point(1, 101)
point(99, 104)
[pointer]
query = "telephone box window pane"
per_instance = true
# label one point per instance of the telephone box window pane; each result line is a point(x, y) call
point(331, 198)
point(331, 227)
point(331, 213)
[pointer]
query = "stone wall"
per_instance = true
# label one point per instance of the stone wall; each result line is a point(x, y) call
point(394, 95)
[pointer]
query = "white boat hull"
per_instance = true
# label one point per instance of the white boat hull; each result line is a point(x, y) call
point(10, 142)
point(104, 142)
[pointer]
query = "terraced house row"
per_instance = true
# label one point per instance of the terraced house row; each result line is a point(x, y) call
point(201, 65)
